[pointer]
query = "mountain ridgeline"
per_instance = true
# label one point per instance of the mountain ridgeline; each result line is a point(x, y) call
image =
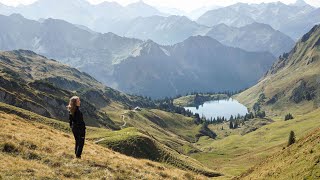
point(175, 29)
point(84, 13)
point(253, 37)
point(293, 19)
point(135, 66)
point(197, 64)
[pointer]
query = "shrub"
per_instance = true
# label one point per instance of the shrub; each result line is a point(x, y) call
point(288, 117)
point(32, 156)
point(188, 176)
point(292, 138)
point(164, 175)
point(261, 114)
point(29, 145)
point(10, 148)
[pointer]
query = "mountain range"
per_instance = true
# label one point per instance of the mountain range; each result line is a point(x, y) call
point(194, 64)
point(163, 30)
point(174, 29)
point(293, 19)
point(253, 37)
point(102, 17)
point(35, 83)
point(197, 64)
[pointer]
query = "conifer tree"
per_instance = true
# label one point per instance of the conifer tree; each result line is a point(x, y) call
point(292, 138)
point(231, 125)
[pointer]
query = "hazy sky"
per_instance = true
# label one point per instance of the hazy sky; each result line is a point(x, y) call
point(186, 5)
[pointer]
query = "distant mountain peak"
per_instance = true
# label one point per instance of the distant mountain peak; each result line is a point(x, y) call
point(17, 16)
point(300, 3)
point(106, 3)
point(221, 25)
point(259, 25)
point(62, 2)
point(202, 40)
point(140, 3)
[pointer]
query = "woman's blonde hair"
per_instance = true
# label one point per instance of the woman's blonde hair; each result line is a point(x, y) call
point(72, 104)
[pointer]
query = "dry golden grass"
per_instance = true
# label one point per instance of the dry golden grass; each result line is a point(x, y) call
point(299, 161)
point(31, 150)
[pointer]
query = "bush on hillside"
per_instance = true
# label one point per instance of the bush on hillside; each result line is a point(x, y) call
point(292, 138)
point(288, 117)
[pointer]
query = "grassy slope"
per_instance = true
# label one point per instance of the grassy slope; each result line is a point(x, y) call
point(174, 131)
point(249, 126)
point(299, 161)
point(129, 141)
point(171, 129)
point(235, 154)
point(40, 150)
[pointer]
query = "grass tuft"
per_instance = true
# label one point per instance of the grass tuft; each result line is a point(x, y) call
point(11, 148)
point(29, 145)
point(32, 156)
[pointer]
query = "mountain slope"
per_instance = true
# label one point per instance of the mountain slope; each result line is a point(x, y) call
point(292, 84)
point(42, 151)
point(74, 46)
point(300, 160)
point(289, 19)
point(44, 86)
point(236, 153)
point(227, 16)
point(253, 37)
point(164, 30)
point(196, 64)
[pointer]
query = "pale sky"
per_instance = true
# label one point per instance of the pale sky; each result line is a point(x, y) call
point(185, 5)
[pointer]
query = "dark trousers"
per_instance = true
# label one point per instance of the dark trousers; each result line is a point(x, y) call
point(79, 134)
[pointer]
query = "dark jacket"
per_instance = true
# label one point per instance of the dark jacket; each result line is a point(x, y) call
point(76, 120)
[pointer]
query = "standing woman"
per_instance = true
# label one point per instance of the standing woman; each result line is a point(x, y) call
point(77, 124)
